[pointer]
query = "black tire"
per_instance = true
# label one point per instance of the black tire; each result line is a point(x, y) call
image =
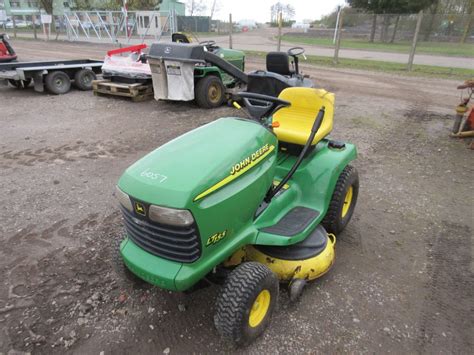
point(20, 84)
point(83, 79)
point(335, 220)
point(121, 269)
point(209, 92)
point(237, 298)
point(57, 82)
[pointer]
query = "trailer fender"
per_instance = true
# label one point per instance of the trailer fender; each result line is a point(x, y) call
point(38, 80)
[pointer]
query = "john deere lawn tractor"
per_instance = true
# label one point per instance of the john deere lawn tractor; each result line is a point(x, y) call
point(247, 203)
point(205, 72)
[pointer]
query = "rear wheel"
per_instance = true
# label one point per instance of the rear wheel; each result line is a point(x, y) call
point(246, 303)
point(343, 201)
point(83, 79)
point(209, 92)
point(58, 82)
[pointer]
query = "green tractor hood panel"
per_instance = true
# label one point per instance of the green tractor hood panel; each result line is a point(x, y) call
point(199, 163)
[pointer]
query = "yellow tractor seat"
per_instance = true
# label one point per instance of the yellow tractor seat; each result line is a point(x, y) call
point(180, 37)
point(296, 121)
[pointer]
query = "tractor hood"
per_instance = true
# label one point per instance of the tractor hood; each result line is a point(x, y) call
point(194, 165)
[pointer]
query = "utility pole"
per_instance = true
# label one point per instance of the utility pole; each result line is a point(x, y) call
point(34, 27)
point(337, 24)
point(230, 31)
point(280, 22)
point(338, 37)
point(14, 26)
point(415, 40)
point(125, 10)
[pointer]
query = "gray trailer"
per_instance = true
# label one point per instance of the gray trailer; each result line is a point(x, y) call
point(55, 75)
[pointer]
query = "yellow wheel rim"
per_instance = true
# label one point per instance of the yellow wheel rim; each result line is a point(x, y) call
point(259, 308)
point(347, 202)
point(214, 93)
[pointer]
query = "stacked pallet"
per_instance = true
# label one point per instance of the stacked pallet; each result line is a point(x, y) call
point(136, 91)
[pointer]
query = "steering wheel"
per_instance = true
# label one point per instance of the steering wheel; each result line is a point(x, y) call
point(208, 43)
point(260, 106)
point(295, 51)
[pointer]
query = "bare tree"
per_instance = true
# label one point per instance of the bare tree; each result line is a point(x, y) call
point(288, 12)
point(47, 5)
point(374, 27)
point(395, 28)
point(215, 7)
point(196, 7)
point(273, 13)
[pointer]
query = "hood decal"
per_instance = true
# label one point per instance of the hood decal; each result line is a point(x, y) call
point(239, 168)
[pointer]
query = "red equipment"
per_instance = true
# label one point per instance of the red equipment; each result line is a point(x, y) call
point(7, 54)
point(136, 49)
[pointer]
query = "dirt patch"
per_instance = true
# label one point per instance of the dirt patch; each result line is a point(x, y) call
point(417, 113)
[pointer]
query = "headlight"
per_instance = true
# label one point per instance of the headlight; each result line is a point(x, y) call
point(170, 216)
point(124, 199)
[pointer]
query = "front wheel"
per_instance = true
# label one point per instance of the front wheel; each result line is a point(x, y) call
point(246, 303)
point(209, 92)
point(343, 201)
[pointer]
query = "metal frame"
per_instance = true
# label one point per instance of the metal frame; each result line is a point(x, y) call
point(115, 25)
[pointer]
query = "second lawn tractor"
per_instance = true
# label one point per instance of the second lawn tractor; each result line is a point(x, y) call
point(204, 72)
point(7, 54)
point(184, 71)
point(245, 203)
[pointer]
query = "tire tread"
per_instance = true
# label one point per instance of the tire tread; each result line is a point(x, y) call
point(232, 302)
point(332, 218)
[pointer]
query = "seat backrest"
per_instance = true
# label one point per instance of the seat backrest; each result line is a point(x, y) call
point(296, 121)
point(278, 62)
point(266, 83)
point(180, 37)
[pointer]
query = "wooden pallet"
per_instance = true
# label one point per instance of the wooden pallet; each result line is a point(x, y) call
point(137, 91)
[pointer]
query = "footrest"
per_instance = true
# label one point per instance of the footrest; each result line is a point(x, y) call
point(294, 222)
point(312, 246)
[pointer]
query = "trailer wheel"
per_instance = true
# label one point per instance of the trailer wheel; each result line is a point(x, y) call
point(83, 79)
point(57, 82)
point(20, 84)
point(209, 92)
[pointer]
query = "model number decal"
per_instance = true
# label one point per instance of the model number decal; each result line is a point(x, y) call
point(215, 238)
point(249, 160)
point(154, 176)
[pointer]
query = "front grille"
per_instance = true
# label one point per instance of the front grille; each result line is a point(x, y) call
point(181, 244)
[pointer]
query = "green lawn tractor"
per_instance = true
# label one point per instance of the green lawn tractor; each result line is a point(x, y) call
point(202, 72)
point(247, 203)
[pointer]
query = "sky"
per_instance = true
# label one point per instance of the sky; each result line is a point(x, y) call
point(259, 10)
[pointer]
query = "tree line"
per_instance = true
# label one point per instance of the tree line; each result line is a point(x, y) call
point(390, 12)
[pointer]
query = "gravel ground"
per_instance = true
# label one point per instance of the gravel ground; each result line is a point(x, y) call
point(402, 282)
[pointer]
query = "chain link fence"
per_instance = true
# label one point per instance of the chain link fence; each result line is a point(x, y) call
point(392, 28)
